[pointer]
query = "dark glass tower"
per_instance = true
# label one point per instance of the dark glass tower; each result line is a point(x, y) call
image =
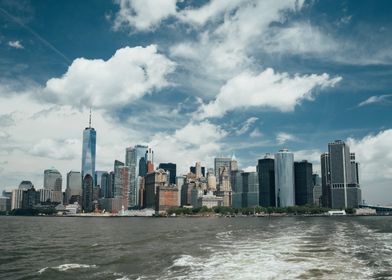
point(266, 173)
point(172, 168)
point(303, 174)
point(88, 152)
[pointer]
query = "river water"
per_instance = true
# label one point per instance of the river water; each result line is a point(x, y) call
point(196, 248)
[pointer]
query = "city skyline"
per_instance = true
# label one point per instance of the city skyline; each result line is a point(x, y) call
point(184, 110)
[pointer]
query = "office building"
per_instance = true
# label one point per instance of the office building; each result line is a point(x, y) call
point(17, 199)
point(172, 169)
point(136, 159)
point(284, 178)
point(117, 187)
point(54, 181)
point(303, 174)
point(224, 187)
point(344, 182)
point(247, 190)
point(166, 198)
point(192, 169)
point(25, 185)
point(30, 198)
point(89, 151)
point(266, 173)
point(152, 181)
point(317, 190)
point(46, 196)
point(73, 191)
point(105, 181)
point(325, 181)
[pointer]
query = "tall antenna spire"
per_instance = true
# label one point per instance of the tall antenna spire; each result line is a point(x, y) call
point(89, 122)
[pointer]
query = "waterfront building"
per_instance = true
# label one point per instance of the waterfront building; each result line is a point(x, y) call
point(25, 185)
point(8, 198)
point(111, 184)
point(210, 200)
point(220, 163)
point(136, 159)
point(4, 204)
point(166, 197)
point(284, 178)
point(266, 173)
point(124, 182)
point(303, 174)
point(30, 198)
point(344, 185)
point(89, 151)
point(152, 181)
point(247, 190)
point(87, 193)
point(198, 170)
point(73, 191)
point(54, 181)
point(46, 196)
point(172, 169)
point(17, 199)
point(112, 205)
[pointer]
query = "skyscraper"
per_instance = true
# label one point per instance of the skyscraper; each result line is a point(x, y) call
point(172, 168)
point(284, 178)
point(344, 184)
point(54, 181)
point(88, 151)
point(136, 160)
point(117, 186)
point(303, 172)
point(25, 185)
point(266, 172)
point(325, 181)
point(74, 187)
point(247, 194)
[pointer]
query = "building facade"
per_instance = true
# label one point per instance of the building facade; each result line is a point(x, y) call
point(266, 173)
point(303, 174)
point(136, 160)
point(284, 178)
point(73, 191)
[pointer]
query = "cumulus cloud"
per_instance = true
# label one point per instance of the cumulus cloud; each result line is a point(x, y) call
point(268, 89)
point(128, 75)
point(381, 99)
point(374, 154)
point(196, 141)
point(143, 14)
point(15, 44)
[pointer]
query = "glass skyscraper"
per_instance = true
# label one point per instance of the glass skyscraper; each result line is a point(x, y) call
point(266, 172)
point(88, 152)
point(284, 178)
point(136, 160)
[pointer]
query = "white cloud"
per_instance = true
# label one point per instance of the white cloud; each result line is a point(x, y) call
point(268, 89)
point(143, 14)
point(246, 125)
point(250, 169)
point(15, 44)
point(381, 99)
point(374, 154)
point(193, 142)
point(283, 137)
point(128, 75)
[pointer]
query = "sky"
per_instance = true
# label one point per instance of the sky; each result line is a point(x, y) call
point(195, 80)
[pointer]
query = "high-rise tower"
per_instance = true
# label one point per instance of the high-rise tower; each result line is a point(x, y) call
point(266, 172)
point(89, 150)
point(284, 178)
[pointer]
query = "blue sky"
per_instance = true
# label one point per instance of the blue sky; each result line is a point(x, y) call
point(195, 80)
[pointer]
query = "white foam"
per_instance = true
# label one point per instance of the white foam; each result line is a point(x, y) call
point(67, 266)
